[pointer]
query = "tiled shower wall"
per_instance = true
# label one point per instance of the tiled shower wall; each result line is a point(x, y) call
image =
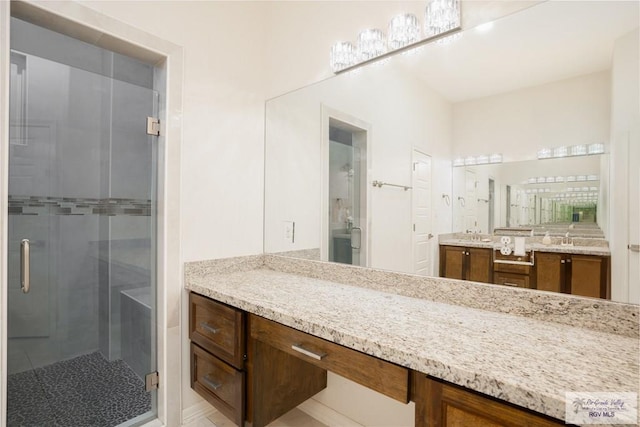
point(80, 190)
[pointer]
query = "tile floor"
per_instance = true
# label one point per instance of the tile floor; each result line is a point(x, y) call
point(293, 418)
point(86, 391)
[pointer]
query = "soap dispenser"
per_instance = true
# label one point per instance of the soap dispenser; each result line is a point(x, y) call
point(546, 240)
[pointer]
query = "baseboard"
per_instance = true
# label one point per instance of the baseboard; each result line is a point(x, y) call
point(197, 411)
point(326, 415)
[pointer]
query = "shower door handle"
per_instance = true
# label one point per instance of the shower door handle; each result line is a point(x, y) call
point(359, 238)
point(25, 266)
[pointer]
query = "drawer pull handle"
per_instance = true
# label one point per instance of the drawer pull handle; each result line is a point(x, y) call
point(509, 284)
point(306, 352)
point(212, 385)
point(209, 328)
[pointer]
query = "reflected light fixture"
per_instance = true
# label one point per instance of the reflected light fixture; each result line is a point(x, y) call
point(371, 43)
point(481, 159)
point(572, 150)
point(403, 31)
point(483, 28)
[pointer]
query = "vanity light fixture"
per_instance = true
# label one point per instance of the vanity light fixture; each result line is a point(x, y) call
point(403, 31)
point(560, 179)
point(578, 150)
point(481, 159)
point(371, 43)
point(343, 55)
point(442, 21)
point(573, 150)
point(441, 16)
point(470, 161)
point(560, 152)
point(545, 153)
point(596, 149)
point(495, 158)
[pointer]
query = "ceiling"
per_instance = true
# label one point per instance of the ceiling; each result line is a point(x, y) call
point(547, 42)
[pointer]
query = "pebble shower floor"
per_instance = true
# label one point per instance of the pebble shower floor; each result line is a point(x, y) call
point(87, 391)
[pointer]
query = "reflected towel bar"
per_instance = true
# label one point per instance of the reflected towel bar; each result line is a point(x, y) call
point(379, 184)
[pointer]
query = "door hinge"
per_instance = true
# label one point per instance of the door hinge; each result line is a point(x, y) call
point(151, 381)
point(153, 126)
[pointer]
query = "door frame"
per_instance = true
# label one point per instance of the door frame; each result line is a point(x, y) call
point(328, 113)
point(72, 18)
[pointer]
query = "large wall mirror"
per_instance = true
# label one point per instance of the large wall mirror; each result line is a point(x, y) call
point(359, 168)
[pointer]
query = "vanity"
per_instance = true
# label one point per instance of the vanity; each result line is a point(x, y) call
point(266, 329)
point(582, 268)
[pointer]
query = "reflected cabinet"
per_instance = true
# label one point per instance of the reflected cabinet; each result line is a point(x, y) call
point(576, 274)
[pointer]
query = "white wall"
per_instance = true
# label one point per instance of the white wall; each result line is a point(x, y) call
point(625, 163)
point(519, 123)
point(222, 117)
point(403, 114)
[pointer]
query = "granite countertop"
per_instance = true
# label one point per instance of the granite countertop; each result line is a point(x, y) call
point(527, 361)
point(576, 248)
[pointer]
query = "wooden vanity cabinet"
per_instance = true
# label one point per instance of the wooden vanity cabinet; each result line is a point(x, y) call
point(507, 272)
point(255, 370)
point(218, 339)
point(475, 264)
point(442, 404)
point(584, 275)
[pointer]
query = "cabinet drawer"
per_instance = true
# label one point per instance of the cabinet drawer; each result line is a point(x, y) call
point(510, 279)
point(512, 268)
point(219, 383)
point(217, 328)
point(379, 375)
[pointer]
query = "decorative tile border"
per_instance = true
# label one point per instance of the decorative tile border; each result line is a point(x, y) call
point(26, 205)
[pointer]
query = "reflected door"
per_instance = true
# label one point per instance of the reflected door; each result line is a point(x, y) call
point(347, 193)
point(81, 255)
point(421, 201)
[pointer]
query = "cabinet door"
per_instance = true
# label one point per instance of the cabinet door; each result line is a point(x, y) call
point(480, 265)
point(446, 405)
point(452, 262)
point(550, 272)
point(588, 276)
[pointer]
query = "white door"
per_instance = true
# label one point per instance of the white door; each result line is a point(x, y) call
point(421, 213)
point(470, 201)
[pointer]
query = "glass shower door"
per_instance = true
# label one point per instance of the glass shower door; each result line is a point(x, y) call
point(81, 255)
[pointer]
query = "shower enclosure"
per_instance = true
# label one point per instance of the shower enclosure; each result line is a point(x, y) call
point(82, 234)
